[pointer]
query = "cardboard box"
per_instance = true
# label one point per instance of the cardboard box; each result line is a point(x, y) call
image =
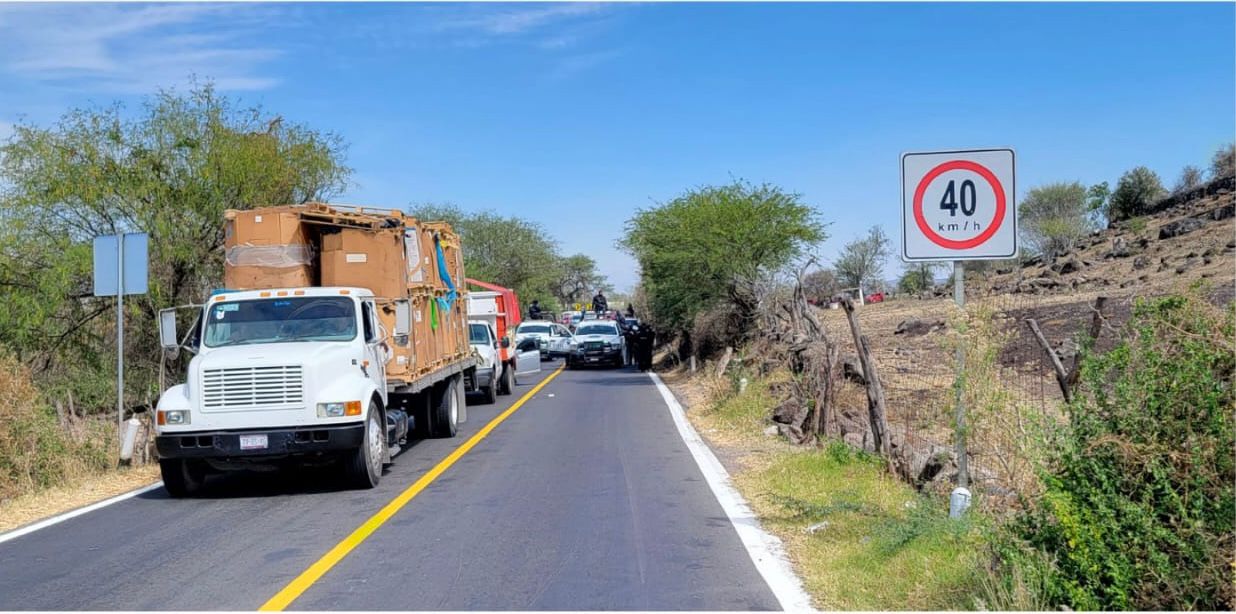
point(365, 259)
point(265, 278)
point(264, 227)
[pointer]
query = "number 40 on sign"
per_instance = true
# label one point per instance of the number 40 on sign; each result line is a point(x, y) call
point(958, 205)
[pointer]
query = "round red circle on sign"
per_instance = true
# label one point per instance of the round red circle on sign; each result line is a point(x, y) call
point(955, 165)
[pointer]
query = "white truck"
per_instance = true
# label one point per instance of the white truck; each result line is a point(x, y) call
point(295, 372)
point(491, 367)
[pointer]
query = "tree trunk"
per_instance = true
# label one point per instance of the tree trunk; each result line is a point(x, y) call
point(875, 392)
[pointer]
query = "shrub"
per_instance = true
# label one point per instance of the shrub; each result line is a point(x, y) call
point(1190, 177)
point(1054, 217)
point(1223, 164)
point(35, 452)
point(1137, 190)
point(1139, 510)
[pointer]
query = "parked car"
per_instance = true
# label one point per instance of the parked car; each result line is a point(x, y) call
point(552, 339)
point(488, 348)
point(597, 342)
point(875, 297)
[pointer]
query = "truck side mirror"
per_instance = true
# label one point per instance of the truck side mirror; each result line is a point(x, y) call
point(167, 330)
point(403, 318)
point(506, 343)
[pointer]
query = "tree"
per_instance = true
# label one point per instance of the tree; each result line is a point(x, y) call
point(1190, 177)
point(1136, 191)
point(508, 251)
point(577, 279)
point(1097, 197)
point(862, 260)
point(170, 170)
point(1223, 164)
point(917, 278)
point(707, 246)
point(820, 285)
point(1054, 217)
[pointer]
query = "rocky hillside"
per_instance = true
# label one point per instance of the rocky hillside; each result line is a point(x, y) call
point(1191, 236)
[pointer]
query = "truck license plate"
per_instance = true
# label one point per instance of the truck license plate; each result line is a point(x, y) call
point(252, 442)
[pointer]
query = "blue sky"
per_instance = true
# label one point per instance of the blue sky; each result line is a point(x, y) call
point(575, 115)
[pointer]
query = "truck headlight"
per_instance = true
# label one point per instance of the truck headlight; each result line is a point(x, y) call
point(339, 410)
point(177, 417)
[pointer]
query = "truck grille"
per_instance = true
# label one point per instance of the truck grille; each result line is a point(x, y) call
point(252, 387)
point(594, 345)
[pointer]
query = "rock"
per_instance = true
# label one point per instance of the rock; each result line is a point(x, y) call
point(1068, 265)
point(772, 431)
point(915, 327)
point(1223, 213)
point(1120, 249)
point(1231, 244)
point(817, 527)
point(852, 370)
point(1140, 263)
point(1179, 227)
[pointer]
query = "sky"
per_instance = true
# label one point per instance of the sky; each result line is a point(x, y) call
point(577, 115)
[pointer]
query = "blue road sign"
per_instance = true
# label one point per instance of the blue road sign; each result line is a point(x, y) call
point(107, 264)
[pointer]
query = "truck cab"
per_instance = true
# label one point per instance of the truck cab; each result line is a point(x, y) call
point(295, 373)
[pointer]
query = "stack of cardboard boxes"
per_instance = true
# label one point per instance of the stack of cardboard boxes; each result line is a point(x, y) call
point(393, 255)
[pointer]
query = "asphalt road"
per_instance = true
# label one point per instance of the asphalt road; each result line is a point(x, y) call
point(585, 498)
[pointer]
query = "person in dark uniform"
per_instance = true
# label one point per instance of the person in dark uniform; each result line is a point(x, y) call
point(534, 310)
point(630, 310)
point(599, 304)
point(644, 339)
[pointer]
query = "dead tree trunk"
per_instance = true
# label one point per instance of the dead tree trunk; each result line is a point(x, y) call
point(1062, 378)
point(1096, 327)
point(875, 392)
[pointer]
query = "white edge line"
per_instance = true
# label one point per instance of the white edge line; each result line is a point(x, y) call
point(765, 549)
point(43, 524)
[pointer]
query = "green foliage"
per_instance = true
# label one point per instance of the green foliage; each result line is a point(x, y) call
point(1136, 191)
point(1223, 164)
point(1190, 177)
point(508, 251)
point(169, 170)
point(1140, 504)
point(917, 278)
point(709, 245)
point(1054, 217)
point(862, 260)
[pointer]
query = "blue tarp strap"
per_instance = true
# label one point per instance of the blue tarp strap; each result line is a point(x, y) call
point(447, 301)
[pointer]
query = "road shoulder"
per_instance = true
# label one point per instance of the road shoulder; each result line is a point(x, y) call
point(25, 511)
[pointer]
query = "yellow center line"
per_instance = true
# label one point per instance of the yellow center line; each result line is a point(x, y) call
point(298, 586)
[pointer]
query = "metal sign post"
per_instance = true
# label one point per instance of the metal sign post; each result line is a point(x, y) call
point(958, 206)
point(120, 269)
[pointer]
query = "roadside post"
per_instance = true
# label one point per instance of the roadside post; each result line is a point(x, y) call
point(957, 206)
point(120, 269)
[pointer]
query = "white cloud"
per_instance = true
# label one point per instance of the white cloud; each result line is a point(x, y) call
point(519, 20)
point(133, 48)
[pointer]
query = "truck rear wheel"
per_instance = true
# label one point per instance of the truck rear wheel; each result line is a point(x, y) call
point(507, 383)
point(362, 468)
point(444, 413)
point(182, 477)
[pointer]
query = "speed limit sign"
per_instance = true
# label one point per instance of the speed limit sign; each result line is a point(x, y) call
point(958, 205)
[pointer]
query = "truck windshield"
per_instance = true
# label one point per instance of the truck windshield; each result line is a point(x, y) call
point(533, 328)
point(279, 320)
point(478, 333)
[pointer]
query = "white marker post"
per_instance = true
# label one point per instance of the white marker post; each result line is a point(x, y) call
point(958, 206)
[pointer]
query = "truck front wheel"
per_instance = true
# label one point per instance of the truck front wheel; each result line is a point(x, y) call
point(362, 467)
point(182, 477)
point(490, 391)
point(507, 384)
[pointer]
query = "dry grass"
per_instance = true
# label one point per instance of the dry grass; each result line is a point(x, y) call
point(25, 509)
point(885, 547)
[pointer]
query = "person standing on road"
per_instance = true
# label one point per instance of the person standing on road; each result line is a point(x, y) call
point(599, 304)
point(534, 310)
point(630, 310)
point(644, 339)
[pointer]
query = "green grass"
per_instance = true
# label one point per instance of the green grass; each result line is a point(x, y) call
point(885, 547)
